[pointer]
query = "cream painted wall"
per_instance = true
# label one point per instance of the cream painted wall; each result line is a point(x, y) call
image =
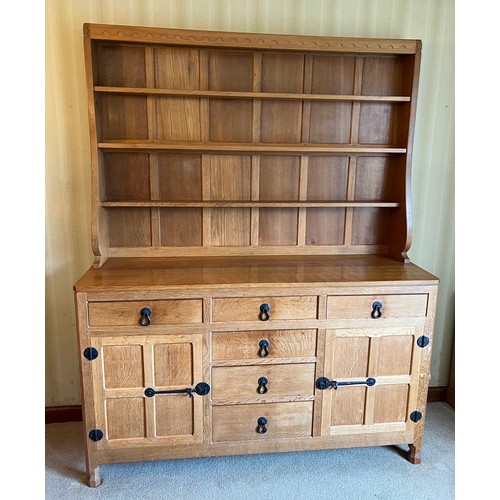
point(68, 251)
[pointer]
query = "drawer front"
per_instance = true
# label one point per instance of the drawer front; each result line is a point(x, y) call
point(128, 313)
point(251, 308)
point(363, 306)
point(283, 420)
point(263, 345)
point(240, 382)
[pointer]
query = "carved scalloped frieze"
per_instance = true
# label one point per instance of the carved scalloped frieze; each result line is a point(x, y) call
point(253, 40)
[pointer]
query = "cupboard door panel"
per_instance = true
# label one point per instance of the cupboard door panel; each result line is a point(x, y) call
point(174, 415)
point(389, 355)
point(348, 406)
point(125, 367)
point(125, 418)
point(391, 403)
point(173, 365)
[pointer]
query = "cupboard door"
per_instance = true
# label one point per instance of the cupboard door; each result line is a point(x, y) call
point(370, 380)
point(131, 375)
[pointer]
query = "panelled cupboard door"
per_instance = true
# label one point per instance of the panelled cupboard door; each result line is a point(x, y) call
point(129, 371)
point(371, 377)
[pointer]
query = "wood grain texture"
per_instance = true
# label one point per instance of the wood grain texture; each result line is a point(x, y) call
point(238, 346)
point(185, 99)
point(247, 40)
point(129, 313)
point(392, 306)
point(137, 274)
point(248, 309)
point(285, 420)
point(199, 149)
point(242, 381)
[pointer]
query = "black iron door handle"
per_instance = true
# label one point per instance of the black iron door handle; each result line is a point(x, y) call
point(202, 389)
point(324, 383)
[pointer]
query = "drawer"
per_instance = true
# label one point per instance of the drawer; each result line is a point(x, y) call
point(252, 308)
point(260, 345)
point(362, 306)
point(240, 382)
point(282, 420)
point(128, 313)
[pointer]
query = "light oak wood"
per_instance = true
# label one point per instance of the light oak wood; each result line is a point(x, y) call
point(362, 306)
point(242, 346)
point(237, 309)
point(129, 365)
point(243, 381)
point(232, 170)
point(285, 420)
point(129, 313)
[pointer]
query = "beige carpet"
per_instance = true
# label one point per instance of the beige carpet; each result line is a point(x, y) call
point(353, 474)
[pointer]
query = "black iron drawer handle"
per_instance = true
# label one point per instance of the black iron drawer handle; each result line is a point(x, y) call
point(376, 310)
point(323, 383)
point(262, 388)
point(146, 316)
point(264, 348)
point(261, 425)
point(202, 389)
point(264, 312)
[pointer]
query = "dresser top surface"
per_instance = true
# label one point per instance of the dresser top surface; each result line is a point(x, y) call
point(168, 273)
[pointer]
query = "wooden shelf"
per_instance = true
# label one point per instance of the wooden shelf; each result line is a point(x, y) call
point(252, 148)
point(251, 204)
point(288, 96)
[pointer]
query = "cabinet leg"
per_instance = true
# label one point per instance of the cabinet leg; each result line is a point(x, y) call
point(414, 455)
point(94, 477)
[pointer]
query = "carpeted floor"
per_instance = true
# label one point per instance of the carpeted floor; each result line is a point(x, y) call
point(352, 474)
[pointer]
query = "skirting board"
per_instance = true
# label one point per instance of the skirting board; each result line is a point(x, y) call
point(73, 413)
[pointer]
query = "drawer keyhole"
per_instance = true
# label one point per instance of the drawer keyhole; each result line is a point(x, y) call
point(146, 316)
point(262, 388)
point(261, 425)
